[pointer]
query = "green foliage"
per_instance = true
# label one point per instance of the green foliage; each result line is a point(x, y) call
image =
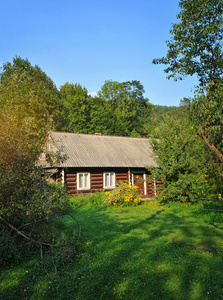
point(195, 46)
point(93, 199)
point(119, 109)
point(77, 109)
point(158, 112)
point(105, 121)
point(28, 202)
point(212, 191)
point(97, 198)
point(23, 191)
point(11, 247)
point(19, 149)
point(126, 106)
point(181, 157)
point(206, 113)
point(124, 194)
point(28, 91)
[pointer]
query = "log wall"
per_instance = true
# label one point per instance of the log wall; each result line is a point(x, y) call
point(96, 180)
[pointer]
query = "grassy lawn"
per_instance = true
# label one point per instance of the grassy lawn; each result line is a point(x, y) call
point(127, 253)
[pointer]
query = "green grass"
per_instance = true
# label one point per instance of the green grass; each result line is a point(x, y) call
point(127, 253)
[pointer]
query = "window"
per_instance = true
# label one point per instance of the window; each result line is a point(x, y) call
point(83, 181)
point(109, 180)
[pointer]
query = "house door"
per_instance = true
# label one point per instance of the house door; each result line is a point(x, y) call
point(138, 180)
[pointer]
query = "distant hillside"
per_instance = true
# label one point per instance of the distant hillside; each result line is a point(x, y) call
point(162, 109)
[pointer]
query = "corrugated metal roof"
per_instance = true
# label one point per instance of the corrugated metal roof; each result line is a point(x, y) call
point(85, 150)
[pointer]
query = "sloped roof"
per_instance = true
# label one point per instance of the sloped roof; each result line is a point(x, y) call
point(85, 150)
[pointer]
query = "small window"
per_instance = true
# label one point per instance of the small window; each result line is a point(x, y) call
point(83, 181)
point(109, 180)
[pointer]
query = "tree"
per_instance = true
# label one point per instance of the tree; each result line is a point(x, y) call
point(206, 114)
point(181, 156)
point(104, 119)
point(196, 43)
point(28, 202)
point(156, 116)
point(77, 109)
point(127, 103)
point(117, 99)
point(28, 91)
point(196, 48)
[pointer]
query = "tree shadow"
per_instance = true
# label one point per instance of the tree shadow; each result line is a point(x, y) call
point(123, 273)
point(131, 256)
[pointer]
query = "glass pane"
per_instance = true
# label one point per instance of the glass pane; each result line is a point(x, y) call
point(85, 180)
point(106, 179)
point(80, 180)
point(111, 179)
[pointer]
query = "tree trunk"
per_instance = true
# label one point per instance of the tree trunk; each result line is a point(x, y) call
point(212, 147)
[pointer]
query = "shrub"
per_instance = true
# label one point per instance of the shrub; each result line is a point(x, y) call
point(123, 194)
point(10, 250)
point(213, 192)
point(97, 198)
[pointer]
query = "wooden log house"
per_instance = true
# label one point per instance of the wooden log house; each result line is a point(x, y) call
point(97, 162)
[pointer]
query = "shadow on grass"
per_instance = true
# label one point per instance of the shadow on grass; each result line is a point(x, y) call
point(129, 255)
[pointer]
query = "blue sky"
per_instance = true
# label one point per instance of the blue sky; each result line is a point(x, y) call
point(88, 42)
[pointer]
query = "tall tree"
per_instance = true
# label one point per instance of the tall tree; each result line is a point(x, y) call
point(28, 202)
point(28, 91)
point(207, 117)
point(77, 109)
point(127, 102)
point(104, 119)
point(181, 155)
point(195, 47)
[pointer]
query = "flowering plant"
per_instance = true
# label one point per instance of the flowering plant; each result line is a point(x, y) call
point(124, 194)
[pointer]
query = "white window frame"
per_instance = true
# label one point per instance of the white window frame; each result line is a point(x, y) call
point(109, 186)
point(87, 184)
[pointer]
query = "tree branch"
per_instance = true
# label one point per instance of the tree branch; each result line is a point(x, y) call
point(212, 147)
point(41, 244)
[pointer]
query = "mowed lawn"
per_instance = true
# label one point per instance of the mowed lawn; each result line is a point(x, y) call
point(127, 253)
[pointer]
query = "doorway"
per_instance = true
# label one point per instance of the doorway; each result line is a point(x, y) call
point(138, 180)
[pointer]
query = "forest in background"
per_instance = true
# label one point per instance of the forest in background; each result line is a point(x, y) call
point(31, 101)
point(118, 109)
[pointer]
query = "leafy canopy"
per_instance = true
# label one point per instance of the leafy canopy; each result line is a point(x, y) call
point(196, 47)
point(127, 105)
point(181, 155)
point(196, 41)
point(77, 109)
point(28, 91)
point(27, 200)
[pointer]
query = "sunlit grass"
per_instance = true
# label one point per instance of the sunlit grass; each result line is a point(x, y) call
point(127, 253)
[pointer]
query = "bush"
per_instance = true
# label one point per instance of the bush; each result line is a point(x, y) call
point(123, 194)
point(10, 250)
point(97, 198)
point(213, 192)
